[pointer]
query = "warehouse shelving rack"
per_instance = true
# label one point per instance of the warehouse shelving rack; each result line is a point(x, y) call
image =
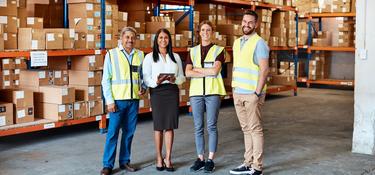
point(309, 49)
point(45, 124)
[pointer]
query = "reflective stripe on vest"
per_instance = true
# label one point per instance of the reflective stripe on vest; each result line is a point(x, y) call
point(209, 85)
point(245, 71)
point(125, 76)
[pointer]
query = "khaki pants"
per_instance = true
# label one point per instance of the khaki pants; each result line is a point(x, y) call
point(248, 108)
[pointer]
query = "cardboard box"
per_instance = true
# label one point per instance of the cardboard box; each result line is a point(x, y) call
point(8, 8)
point(139, 26)
point(85, 78)
point(144, 103)
point(84, 10)
point(84, 41)
point(60, 77)
point(1, 42)
point(20, 98)
point(95, 107)
point(54, 41)
point(10, 41)
point(229, 29)
point(8, 63)
point(35, 78)
point(85, 25)
point(144, 41)
point(31, 39)
point(6, 114)
point(55, 112)
point(283, 80)
point(10, 24)
point(31, 22)
point(181, 41)
point(206, 8)
point(68, 36)
point(88, 62)
point(83, 1)
point(57, 94)
point(24, 114)
point(20, 63)
point(80, 110)
point(87, 93)
point(122, 16)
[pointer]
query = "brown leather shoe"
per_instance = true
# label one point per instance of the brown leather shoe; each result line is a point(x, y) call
point(106, 171)
point(127, 167)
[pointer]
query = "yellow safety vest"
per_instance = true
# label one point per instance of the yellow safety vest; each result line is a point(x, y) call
point(245, 71)
point(209, 85)
point(125, 76)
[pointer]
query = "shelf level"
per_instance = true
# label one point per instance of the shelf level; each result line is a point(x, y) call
point(44, 124)
point(331, 48)
point(11, 54)
point(333, 82)
point(328, 15)
point(256, 4)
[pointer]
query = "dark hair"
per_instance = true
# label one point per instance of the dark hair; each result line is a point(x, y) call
point(252, 13)
point(200, 26)
point(155, 49)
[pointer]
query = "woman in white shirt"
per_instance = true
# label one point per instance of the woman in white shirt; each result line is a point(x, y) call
point(162, 72)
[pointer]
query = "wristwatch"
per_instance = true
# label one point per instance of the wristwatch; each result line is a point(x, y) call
point(258, 95)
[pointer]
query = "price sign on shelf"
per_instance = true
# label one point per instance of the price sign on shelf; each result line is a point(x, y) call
point(38, 58)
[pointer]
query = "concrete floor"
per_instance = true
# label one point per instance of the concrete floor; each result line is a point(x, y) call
point(307, 134)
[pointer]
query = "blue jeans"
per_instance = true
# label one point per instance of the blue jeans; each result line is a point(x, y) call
point(212, 105)
point(125, 118)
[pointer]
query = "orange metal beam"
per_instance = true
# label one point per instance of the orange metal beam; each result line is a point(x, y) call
point(332, 82)
point(330, 48)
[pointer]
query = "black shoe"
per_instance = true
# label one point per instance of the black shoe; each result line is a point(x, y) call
point(198, 165)
point(169, 169)
point(106, 171)
point(242, 169)
point(255, 172)
point(209, 167)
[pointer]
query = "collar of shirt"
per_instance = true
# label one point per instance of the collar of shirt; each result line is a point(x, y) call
point(126, 53)
point(244, 39)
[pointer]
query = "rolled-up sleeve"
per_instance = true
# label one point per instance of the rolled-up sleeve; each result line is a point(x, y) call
point(106, 80)
point(261, 51)
point(147, 72)
point(180, 72)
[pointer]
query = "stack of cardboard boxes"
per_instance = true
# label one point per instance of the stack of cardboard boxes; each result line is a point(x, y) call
point(302, 33)
point(265, 20)
point(85, 76)
point(278, 30)
point(10, 72)
point(1, 37)
point(85, 19)
point(207, 12)
point(8, 18)
point(184, 91)
point(139, 11)
point(273, 63)
point(111, 24)
point(290, 24)
point(307, 6)
point(323, 39)
point(346, 32)
point(22, 105)
point(319, 66)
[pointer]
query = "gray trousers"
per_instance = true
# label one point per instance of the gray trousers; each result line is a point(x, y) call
point(212, 105)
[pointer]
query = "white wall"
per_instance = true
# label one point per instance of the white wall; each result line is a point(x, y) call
point(364, 102)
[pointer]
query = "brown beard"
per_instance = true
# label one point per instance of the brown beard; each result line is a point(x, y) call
point(249, 32)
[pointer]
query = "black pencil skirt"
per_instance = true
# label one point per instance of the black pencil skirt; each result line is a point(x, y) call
point(165, 105)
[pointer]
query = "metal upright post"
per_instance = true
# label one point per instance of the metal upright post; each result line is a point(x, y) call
point(295, 56)
point(309, 40)
point(191, 23)
point(102, 37)
point(157, 9)
point(65, 13)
